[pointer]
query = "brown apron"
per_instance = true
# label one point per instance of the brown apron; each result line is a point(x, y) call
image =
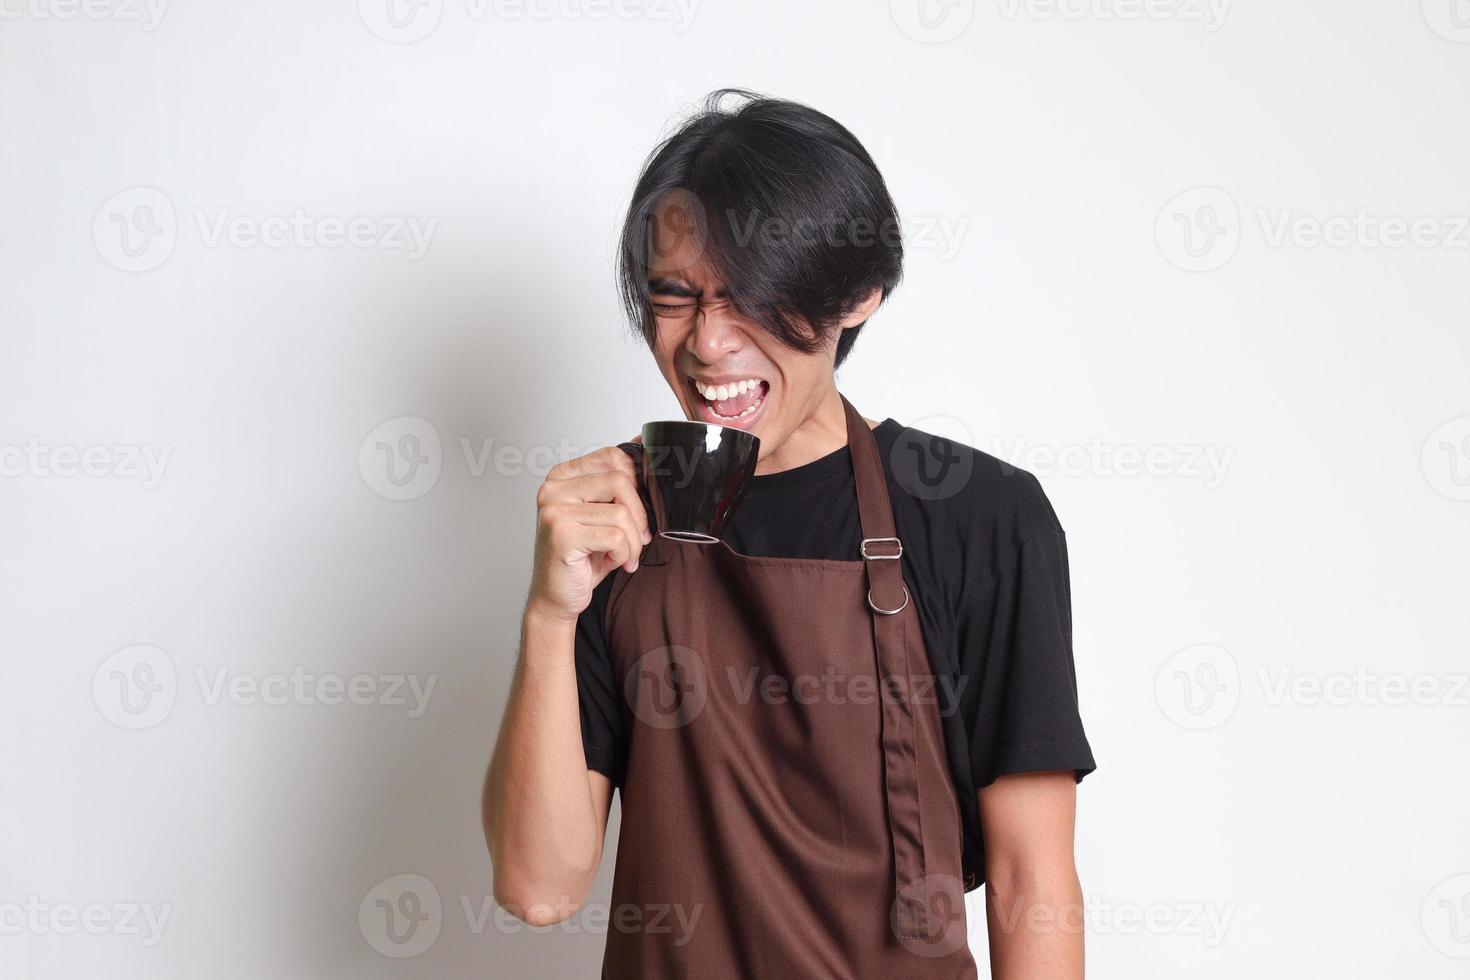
point(788, 810)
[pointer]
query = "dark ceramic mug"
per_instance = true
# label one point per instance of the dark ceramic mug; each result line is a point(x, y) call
point(693, 475)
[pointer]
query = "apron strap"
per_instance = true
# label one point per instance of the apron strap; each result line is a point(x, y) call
point(888, 596)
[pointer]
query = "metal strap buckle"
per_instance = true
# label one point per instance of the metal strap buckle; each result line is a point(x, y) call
point(863, 549)
point(889, 612)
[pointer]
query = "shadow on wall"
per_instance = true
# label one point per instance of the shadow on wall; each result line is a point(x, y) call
point(371, 814)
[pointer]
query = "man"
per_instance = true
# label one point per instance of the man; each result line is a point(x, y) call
point(872, 671)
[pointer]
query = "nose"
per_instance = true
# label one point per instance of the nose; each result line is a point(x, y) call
point(717, 332)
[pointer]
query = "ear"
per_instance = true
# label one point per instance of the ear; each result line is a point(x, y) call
point(864, 309)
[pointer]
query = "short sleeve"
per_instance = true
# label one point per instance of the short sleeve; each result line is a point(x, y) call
point(1024, 715)
point(603, 735)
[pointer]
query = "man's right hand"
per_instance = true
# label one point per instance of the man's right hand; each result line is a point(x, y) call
point(589, 520)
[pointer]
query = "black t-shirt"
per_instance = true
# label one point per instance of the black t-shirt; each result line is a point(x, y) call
point(985, 560)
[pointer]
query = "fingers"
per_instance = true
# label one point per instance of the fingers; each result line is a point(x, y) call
point(616, 517)
point(610, 540)
point(592, 507)
point(597, 488)
point(571, 540)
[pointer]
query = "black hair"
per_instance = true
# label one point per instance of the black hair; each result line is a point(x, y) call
point(792, 214)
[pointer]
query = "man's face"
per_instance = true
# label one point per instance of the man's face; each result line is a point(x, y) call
point(723, 367)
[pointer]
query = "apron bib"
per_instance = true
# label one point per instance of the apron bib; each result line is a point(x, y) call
point(788, 810)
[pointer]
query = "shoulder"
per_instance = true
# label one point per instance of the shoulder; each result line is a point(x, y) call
point(963, 488)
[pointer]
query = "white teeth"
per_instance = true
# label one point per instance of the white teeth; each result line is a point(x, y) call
point(716, 393)
point(742, 414)
point(721, 392)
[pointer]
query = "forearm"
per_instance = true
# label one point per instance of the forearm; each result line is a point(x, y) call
point(1035, 922)
point(540, 820)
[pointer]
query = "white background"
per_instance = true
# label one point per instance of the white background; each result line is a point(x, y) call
point(1080, 309)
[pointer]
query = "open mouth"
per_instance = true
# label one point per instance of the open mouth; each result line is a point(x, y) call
point(731, 402)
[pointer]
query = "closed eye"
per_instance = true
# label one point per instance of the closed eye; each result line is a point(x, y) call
point(672, 309)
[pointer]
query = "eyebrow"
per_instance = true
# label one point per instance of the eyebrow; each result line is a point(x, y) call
point(664, 286)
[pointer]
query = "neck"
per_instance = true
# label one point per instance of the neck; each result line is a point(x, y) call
point(823, 432)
